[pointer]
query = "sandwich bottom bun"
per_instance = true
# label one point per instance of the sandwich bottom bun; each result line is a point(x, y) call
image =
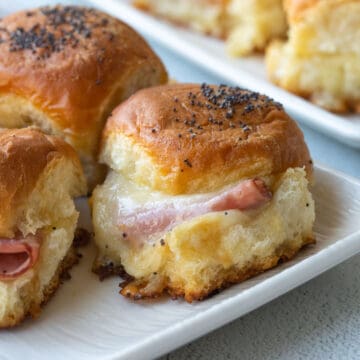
point(330, 81)
point(208, 252)
point(25, 296)
point(39, 177)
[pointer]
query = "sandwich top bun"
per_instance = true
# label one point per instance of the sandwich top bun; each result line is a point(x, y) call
point(65, 68)
point(187, 138)
point(247, 25)
point(26, 157)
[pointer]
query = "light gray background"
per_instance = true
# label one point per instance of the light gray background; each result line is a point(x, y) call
point(319, 320)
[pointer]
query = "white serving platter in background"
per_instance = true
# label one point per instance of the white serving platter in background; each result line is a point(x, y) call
point(88, 319)
point(248, 72)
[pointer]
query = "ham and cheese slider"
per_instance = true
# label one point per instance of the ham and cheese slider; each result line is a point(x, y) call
point(39, 176)
point(208, 186)
point(64, 69)
point(321, 58)
point(246, 25)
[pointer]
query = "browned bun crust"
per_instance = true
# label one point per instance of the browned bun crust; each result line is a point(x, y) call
point(199, 138)
point(72, 65)
point(25, 155)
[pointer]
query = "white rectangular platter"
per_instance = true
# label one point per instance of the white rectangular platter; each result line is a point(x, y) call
point(247, 72)
point(88, 319)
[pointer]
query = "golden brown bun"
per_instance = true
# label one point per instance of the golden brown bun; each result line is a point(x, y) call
point(247, 25)
point(25, 156)
point(187, 138)
point(39, 176)
point(65, 68)
point(320, 61)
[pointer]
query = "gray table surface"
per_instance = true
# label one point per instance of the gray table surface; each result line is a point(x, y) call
point(319, 320)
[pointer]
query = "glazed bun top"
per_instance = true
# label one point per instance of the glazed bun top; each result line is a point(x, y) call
point(26, 156)
point(188, 138)
point(75, 65)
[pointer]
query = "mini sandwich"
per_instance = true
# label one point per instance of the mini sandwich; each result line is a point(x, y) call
point(247, 25)
point(321, 59)
point(39, 176)
point(209, 185)
point(65, 68)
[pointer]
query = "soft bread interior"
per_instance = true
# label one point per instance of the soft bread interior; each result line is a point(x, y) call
point(50, 211)
point(327, 27)
point(17, 112)
point(329, 80)
point(124, 154)
point(248, 25)
point(253, 23)
point(209, 251)
point(204, 16)
point(320, 61)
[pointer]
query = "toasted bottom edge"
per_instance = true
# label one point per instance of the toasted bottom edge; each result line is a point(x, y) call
point(137, 289)
point(61, 274)
point(104, 271)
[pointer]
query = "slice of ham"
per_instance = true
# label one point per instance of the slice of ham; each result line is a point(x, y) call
point(140, 224)
point(18, 255)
